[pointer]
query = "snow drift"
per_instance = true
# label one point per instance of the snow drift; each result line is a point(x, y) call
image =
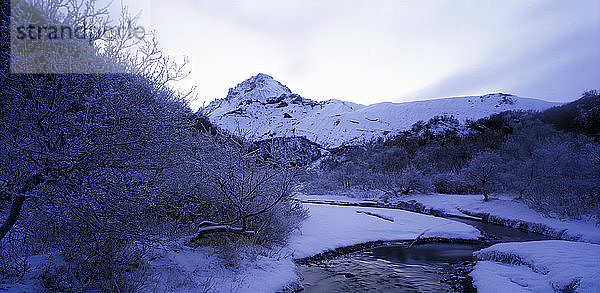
point(538, 266)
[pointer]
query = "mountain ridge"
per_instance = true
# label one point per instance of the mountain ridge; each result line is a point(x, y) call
point(263, 108)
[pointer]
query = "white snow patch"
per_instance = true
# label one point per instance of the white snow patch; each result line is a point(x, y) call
point(204, 270)
point(504, 209)
point(538, 266)
point(492, 277)
point(31, 280)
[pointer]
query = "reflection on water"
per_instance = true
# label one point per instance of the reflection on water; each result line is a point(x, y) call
point(503, 233)
point(435, 253)
point(387, 269)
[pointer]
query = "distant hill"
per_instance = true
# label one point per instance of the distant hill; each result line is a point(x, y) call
point(580, 116)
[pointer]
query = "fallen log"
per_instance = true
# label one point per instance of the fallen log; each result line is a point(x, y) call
point(206, 228)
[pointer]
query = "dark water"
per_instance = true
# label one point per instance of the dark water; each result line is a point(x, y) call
point(398, 268)
point(502, 233)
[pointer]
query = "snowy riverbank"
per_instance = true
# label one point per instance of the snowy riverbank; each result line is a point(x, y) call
point(516, 214)
point(535, 266)
point(207, 269)
point(328, 228)
point(331, 227)
point(538, 266)
point(500, 210)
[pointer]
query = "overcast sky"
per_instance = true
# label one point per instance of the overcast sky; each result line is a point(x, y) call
point(370, 51)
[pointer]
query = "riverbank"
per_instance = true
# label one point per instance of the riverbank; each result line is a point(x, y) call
point(330, 227)
point(360, 225)
point(538, 266)
point(499, 210)
point(331, 231)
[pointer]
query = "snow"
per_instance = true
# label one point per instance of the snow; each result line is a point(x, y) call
point(178, 268)
point(259, 87)
point(492, 277)
point(538, 266)
point(205, 269)
point(505, 210)
point(31, 281)
point(330, 227)
point(332, 123)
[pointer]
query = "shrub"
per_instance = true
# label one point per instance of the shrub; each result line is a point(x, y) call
point(483, 171)
point(452, 184)
point(410, 180)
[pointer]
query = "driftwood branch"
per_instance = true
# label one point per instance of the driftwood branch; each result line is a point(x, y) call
point(209, 227)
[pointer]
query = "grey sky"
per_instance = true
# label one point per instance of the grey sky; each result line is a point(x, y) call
point(375, 50)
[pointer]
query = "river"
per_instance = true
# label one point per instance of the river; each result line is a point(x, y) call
point(430, 267)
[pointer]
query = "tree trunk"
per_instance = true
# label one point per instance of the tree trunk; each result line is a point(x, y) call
point(17, 204)
point(520, 195)
point(15, 212)
point(484, 189)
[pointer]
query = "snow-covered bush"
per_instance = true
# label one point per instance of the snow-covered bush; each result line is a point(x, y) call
point(255, 191)
point(517, 155)
point(317, 183)
point(565, 180)
point(88, 162)
point(483, 170)
point(553, 171)
point(15, 250)
point(410, 180)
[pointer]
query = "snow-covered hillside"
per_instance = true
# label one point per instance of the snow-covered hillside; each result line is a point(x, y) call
point(262, 108)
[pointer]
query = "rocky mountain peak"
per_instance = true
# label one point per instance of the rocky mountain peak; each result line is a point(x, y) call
point(259, 87)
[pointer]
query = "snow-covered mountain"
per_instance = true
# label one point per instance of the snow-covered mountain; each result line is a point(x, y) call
point(261, 108)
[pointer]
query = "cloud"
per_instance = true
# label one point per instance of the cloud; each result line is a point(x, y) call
point(370, 51)
point(557, 65)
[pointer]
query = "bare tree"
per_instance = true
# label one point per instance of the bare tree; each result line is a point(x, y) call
point(252, 186)
point(410, 180)
point(567, 182)
point(483, 170)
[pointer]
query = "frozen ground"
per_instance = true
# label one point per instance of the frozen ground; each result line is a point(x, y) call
point(501, 210)
point(206, 270)
point(30, 281)
point(538, 266)
point(330, 227)
point(177, 268)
